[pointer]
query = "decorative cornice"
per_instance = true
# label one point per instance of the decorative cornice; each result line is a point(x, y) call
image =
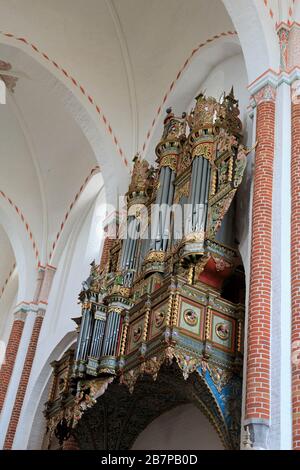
point(287, 25)
point(50, 267)
point(273, 80)
point(30, 307)
point(24, 308)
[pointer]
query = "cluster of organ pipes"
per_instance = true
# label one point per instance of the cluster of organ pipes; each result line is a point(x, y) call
point(198, 166)
point(164, 199)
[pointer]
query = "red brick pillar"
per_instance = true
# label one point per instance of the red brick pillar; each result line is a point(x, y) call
point(295, 263)
point(11, 351)
point(257, 412)
point(22, 387)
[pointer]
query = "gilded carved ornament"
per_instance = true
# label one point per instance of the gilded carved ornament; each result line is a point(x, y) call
point(187, 364)
point(169, 161)
point(155, 257)
point(204, 150)
point(142, 176)
point(205, 112)
point(174, 127)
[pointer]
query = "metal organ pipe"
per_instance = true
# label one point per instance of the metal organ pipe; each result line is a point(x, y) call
point(85, 337)
point(132, 244)
point(115, 335)
point(166, 220)
point(194, 181)
point(199, 192)
point(111, 334)
point(198, 181)
point(107, 336)
point(163, 201)
point(206, 195)
point(198, 184)
point(201, 202)
point(88, 335)
point(156, 215)
point(97, 339)
point(126, 245)
point(77, 356)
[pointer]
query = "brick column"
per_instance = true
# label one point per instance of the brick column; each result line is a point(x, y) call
point(22, 387)
point(295, 262)
point(257, 412)
point(14, 419)
point(12, 350)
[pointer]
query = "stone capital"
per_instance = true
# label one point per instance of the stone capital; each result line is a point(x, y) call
point(20, 315)
point(41, 309)
point(266, 93)
point(21, 311)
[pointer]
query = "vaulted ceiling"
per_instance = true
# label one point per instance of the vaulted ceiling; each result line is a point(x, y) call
point(121, 62)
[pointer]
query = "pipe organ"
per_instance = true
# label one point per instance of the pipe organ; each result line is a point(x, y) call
point(176, 291)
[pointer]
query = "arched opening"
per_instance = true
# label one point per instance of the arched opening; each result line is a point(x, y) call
point(119, 418)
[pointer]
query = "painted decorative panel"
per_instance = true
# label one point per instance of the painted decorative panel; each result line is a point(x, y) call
point(191, 317)
point(135, 334)
point(158, 319)
point(223, 330)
